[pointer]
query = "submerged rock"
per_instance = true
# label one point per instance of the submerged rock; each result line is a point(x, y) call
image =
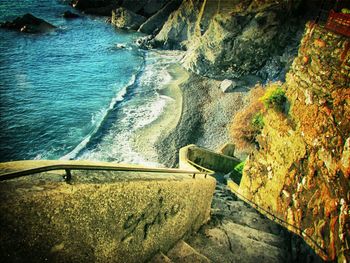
point(69, 14)
point(28, 24)
point(125, 19)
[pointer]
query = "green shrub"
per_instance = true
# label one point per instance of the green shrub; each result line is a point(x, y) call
point(274, 97)
point(242, 129)
point(239, 167)
point(258, 121)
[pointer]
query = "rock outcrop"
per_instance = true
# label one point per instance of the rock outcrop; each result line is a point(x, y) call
point(301, 171)
point(156, 22)
point(232, 39)
point(28, 24)
point(126, 19)
point(180, 26)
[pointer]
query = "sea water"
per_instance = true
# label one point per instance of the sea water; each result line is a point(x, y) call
point(75, 93)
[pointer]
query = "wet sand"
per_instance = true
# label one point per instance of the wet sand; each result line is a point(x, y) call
point(145, 139)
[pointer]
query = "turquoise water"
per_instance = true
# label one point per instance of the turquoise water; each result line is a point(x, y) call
point(72, 93)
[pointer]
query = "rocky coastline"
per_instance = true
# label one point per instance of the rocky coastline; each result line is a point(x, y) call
point(245, 42)
point(228, 48)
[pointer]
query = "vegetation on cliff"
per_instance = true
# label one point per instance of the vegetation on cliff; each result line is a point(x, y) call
point(301, 167)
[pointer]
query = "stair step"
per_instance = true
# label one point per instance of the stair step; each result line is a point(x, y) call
point(241, 213)
point(184, 253)
point(230, 242)
point(255, 221)
point(255, 235)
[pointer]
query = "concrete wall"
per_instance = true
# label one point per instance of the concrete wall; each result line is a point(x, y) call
point(98, 216)
point(207, 159)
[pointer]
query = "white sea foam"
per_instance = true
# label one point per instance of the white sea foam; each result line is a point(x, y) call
point(143, 108)
point(97, 120)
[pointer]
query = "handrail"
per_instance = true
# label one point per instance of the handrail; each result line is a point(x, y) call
point(69, 167)
point(201, 168)
point(282, 222)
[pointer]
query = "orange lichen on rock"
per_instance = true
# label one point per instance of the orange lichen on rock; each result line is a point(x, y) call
point(320, 43)
point(303, 157)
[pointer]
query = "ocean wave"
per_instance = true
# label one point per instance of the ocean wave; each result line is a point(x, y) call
point(120, 96)
point(143, 104)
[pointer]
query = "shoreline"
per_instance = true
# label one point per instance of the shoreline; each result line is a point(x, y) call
point(200, 113)
point(145, 139)
point(205, 120)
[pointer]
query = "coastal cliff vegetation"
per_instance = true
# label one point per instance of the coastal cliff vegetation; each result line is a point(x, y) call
point(293, 126)
point(286, 107)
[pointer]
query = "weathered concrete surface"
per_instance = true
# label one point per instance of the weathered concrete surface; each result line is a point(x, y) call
point(206, 158)
point(184, 253)
point(98, 216)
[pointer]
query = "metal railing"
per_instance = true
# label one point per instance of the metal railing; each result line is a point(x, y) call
point(69, 167)
point(321, 251)
point(201, 168)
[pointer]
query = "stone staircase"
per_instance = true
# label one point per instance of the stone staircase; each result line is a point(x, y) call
point(236, 233)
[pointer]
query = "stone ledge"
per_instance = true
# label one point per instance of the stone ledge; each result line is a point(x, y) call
point(119, 221)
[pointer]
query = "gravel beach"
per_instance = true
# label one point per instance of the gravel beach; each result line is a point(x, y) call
point(199, 113)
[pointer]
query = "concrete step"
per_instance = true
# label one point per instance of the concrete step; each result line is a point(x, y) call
point(238, 232)
point(230, 242)
point(253, 220)
point(241, 213)
point(184, 253)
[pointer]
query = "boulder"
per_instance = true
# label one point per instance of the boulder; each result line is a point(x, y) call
point(70, 15)
point(125, 19)
point(144, 42)
point(156, 22)
point(28, 24)
point(226, 85)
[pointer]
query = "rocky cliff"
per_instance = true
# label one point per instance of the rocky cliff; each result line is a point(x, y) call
point(253, 40)
point(301, 169)
point(246, 41)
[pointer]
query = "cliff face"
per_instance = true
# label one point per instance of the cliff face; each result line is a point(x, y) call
point(302, 168)
point(247, 41)
point(233, 39)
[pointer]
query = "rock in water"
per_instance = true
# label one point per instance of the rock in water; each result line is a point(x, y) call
point(28, 24)
point(69, 14)
point(125, 19)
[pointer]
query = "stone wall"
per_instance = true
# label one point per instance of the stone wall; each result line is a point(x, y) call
point(302, 168)
point(100, 216)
